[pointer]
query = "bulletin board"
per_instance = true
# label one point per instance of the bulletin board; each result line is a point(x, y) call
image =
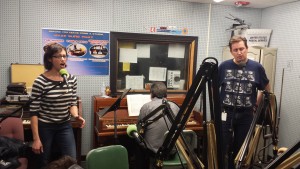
point(138, 60)
point(26, 73)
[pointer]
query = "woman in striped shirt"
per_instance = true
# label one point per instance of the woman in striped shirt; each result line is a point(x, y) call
point(54, 102)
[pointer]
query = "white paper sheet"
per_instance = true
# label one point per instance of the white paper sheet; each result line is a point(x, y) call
point(143, 50)
point(157, 73)
point(176, 51)
point(135, 103)
point(134, 82)
point(128, 55)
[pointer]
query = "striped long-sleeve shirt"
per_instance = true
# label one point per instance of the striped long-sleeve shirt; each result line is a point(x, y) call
point(53, 106)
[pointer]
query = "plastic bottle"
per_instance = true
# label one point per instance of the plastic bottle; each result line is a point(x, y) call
point(102, 90)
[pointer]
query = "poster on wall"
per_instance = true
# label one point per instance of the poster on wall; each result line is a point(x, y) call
point(257, 37)
point(88, 52)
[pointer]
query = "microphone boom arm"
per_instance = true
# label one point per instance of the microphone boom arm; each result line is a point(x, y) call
point(207, 73)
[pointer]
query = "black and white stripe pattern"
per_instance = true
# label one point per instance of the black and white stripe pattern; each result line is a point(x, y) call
point(53, 107)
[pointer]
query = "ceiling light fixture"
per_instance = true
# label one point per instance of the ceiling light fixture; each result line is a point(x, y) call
point(217, 1)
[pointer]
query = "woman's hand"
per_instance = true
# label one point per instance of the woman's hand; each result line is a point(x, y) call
point(37, 147)
point(81, 121)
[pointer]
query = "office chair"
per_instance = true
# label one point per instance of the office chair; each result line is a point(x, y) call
point(174, 162)
point(108, 157)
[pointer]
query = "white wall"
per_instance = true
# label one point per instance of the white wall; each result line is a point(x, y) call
point(285, 22)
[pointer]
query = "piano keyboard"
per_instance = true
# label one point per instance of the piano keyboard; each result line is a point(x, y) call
point(119, 126)
point(192, 122)
point(124, 126)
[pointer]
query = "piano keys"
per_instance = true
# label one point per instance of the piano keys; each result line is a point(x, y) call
point(104, 126)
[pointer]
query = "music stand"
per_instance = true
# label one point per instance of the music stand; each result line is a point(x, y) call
point(114, 108)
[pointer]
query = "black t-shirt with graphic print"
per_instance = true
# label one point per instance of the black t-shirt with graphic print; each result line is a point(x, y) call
point(239, 85)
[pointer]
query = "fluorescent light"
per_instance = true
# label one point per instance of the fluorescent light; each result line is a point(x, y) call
point(218, 1)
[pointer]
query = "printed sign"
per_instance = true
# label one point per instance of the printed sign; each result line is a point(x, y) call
point(88, 52)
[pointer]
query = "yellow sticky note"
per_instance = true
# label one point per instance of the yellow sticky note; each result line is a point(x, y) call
point(126, 67)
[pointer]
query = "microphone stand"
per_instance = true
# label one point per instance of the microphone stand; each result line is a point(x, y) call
point(262, 108)
point(167, 111)
point(114, 107)
point(29, 102)
point(285, 157)
point(207, 73)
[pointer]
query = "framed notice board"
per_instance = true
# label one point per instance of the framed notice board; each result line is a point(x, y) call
point(137, 60)
point(26, 73)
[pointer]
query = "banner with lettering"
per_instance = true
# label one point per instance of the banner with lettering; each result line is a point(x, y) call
point(88, 52)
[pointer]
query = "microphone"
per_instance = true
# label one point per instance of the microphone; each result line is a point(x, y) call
point(64, 73)
point(242, 65)
point(132, 133)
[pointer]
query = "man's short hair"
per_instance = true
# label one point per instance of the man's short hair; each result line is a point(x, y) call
point(236, 39)
point(159, 90)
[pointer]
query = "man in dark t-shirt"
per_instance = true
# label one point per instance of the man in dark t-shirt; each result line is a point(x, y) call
point(240, 79)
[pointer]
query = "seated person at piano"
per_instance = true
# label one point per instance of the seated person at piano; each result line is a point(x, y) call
point(153, 134)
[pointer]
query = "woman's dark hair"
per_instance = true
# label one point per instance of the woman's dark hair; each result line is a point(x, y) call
point(159, 90)
point(50, 49)
point(237, 38)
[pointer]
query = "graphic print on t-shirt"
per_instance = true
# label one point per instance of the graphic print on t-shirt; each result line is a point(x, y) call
point(238, 87)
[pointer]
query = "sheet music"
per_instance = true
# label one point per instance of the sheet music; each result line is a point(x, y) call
point(135, 103)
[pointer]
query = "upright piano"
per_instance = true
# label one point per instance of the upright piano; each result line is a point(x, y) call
point(104, 126)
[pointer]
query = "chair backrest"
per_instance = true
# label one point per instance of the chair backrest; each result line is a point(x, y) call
point(191, 138)
point(108, 157)
point(12, 127)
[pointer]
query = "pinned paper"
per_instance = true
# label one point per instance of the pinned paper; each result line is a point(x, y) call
point(126, 66)
point(128, 55)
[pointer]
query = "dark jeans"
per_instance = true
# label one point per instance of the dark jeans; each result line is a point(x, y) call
point(233, 141)
point(56, 137)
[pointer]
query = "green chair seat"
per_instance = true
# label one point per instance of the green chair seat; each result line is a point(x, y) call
point(175, 161)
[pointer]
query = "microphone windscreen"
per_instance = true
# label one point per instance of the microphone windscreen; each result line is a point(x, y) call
point(130, 129)
point(63, 72)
